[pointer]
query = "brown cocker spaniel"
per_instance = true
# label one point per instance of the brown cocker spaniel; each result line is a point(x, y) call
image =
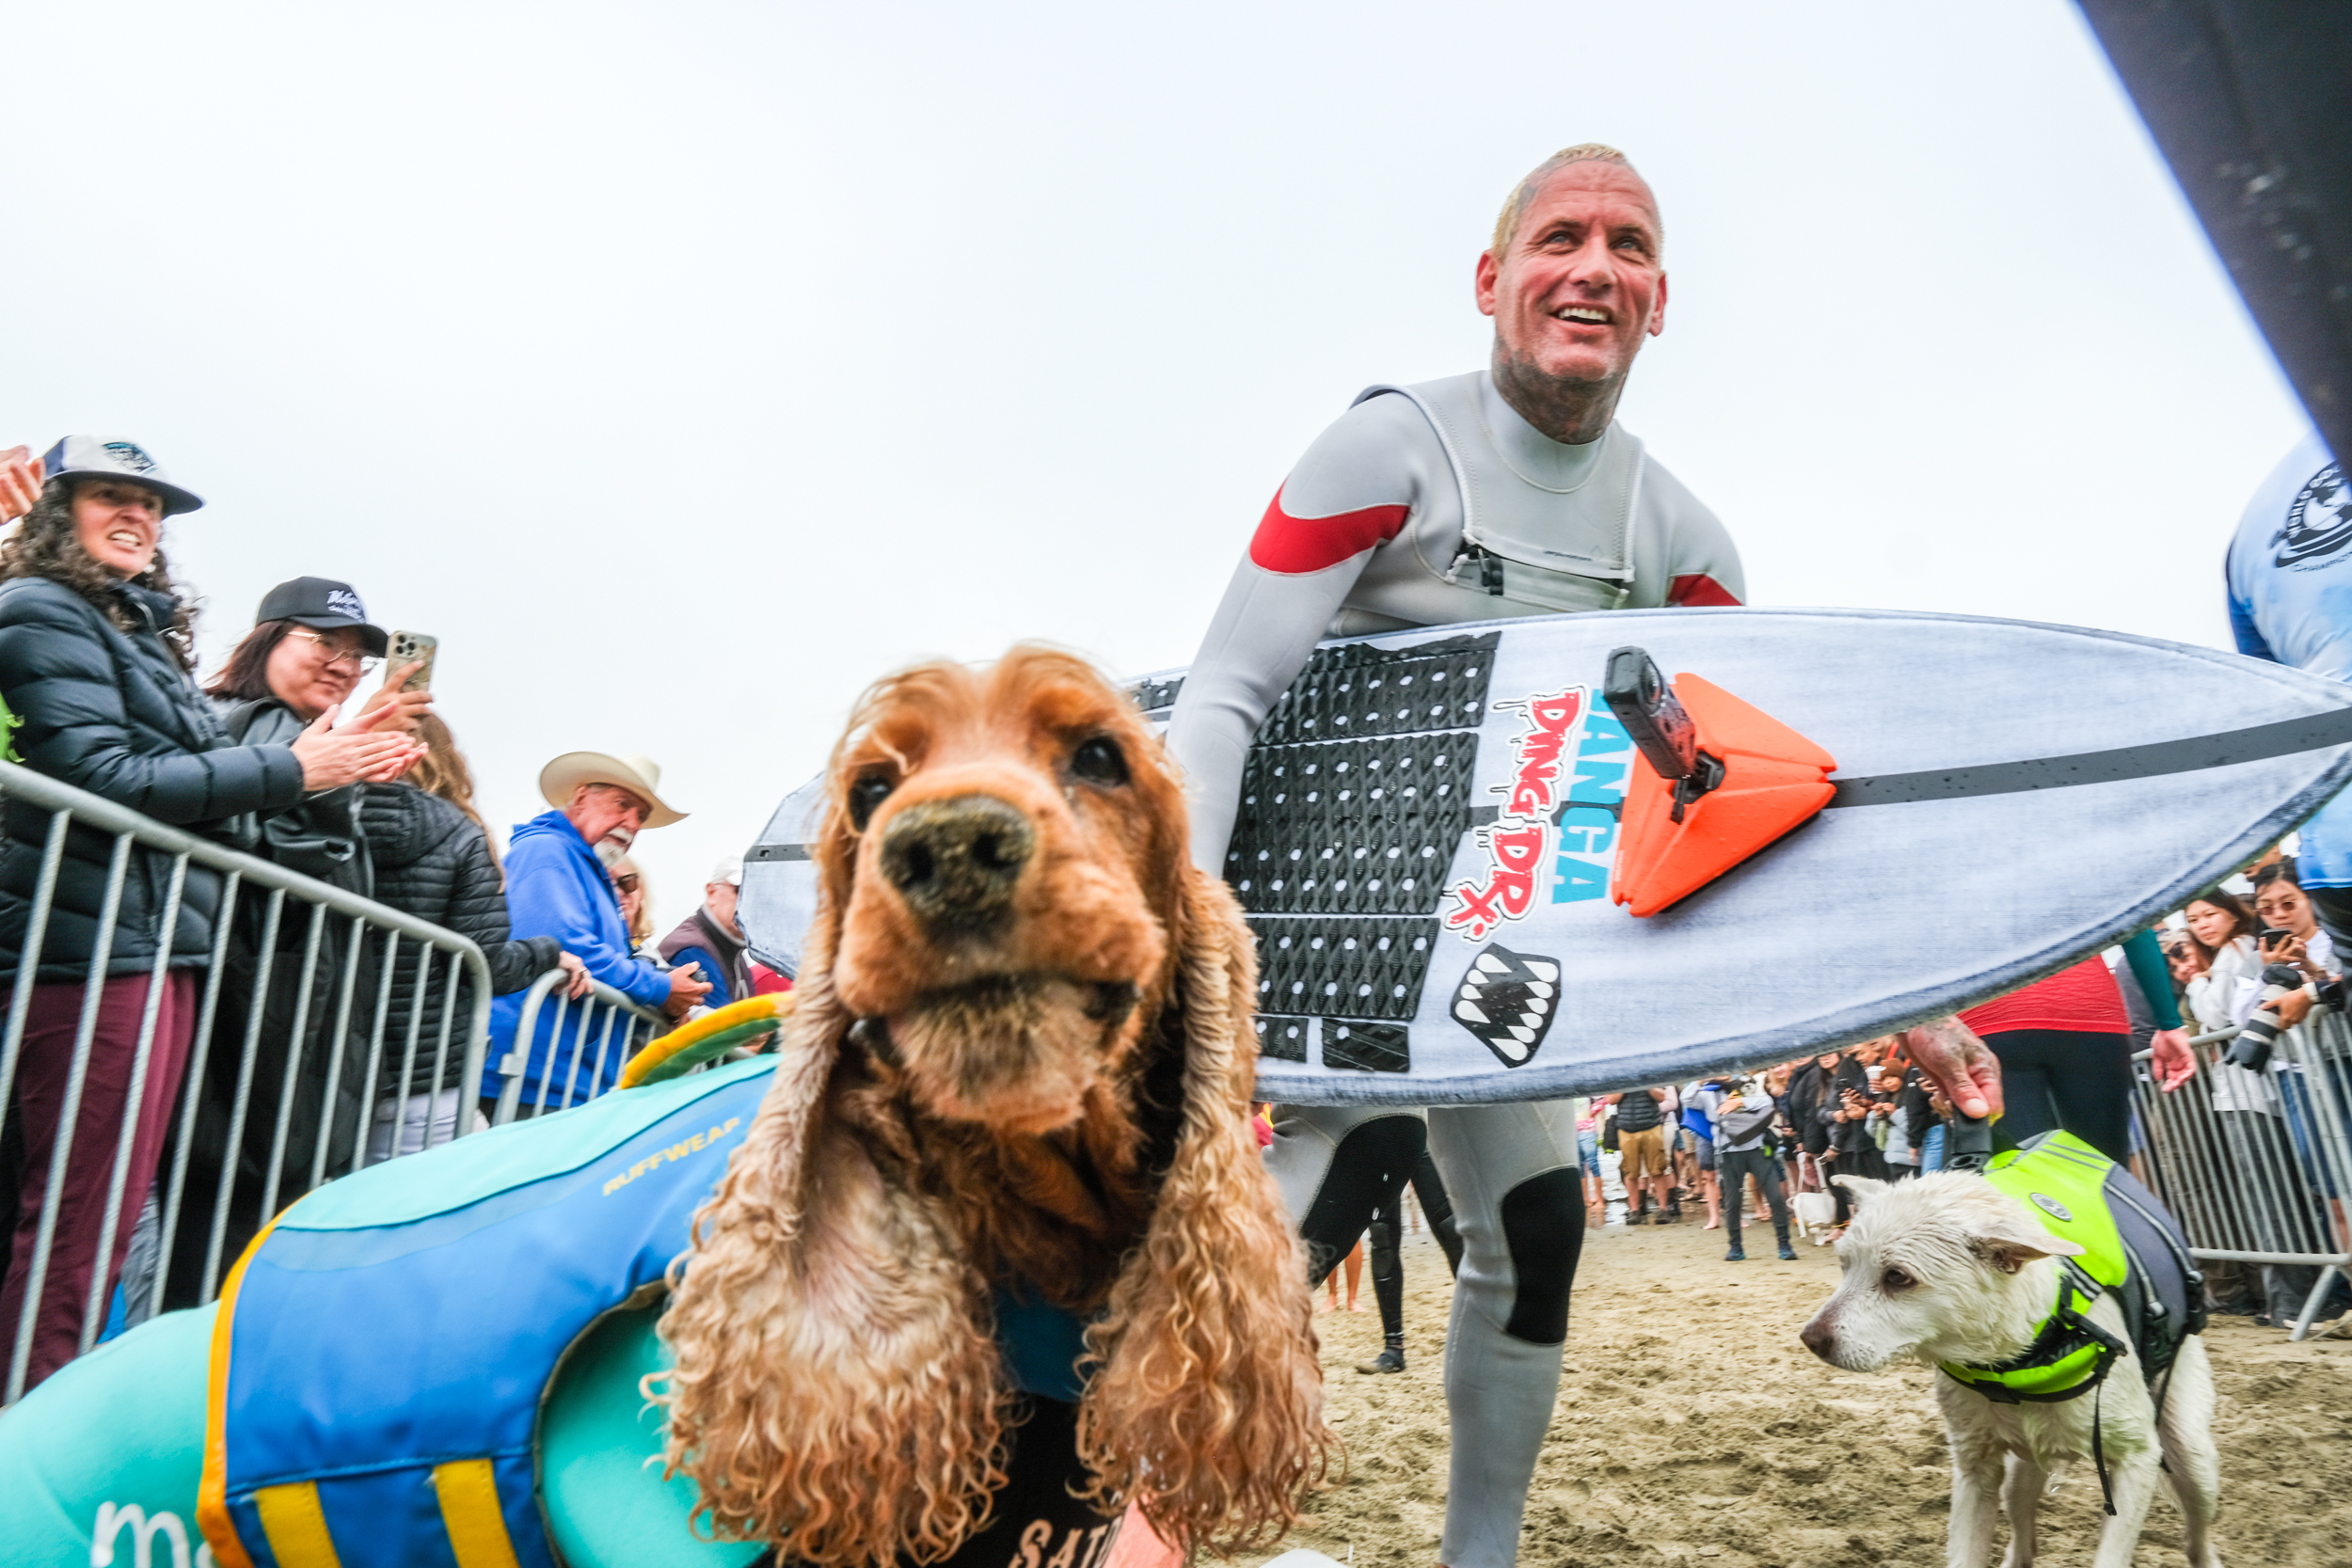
point(1022, 1053)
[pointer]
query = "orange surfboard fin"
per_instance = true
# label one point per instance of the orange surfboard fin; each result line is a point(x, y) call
point(1775, 781)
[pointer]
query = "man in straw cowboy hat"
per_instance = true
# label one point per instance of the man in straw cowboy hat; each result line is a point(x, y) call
point(557, 886)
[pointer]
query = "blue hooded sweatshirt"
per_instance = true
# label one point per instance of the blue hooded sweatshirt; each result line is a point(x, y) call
point(556, 887)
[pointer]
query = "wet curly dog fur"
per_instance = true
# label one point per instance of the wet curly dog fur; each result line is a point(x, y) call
point(1022, 1056)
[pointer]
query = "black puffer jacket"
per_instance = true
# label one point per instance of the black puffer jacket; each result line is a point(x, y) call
point(431, 860)
point(116, 716)
point(320, 837)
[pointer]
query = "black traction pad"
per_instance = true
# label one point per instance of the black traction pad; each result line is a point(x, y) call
point(1354, 797)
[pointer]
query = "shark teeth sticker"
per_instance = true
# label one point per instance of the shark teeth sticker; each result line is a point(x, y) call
point(1508, 1000)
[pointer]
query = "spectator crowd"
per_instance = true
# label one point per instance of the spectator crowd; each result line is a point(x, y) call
point(288, 752)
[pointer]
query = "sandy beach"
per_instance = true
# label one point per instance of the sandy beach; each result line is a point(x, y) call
point(1691, 1426)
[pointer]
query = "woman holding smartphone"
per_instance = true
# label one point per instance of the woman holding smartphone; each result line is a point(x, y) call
point(2246, 1104)
point(310, 643)
point(2291, 935)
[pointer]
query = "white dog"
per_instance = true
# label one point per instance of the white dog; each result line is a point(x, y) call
point(1814, 1212)
point(1950, 1269)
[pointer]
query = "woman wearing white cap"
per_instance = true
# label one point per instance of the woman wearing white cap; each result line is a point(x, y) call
point(95, 655)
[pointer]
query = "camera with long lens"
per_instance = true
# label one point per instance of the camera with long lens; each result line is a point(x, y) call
point(2251, 1049)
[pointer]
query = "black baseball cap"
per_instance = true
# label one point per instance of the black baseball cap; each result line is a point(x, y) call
point(323, 603)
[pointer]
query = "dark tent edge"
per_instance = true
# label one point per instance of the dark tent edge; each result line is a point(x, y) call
point(2250, 103)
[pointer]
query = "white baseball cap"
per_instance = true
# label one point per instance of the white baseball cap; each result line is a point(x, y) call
point(101, 456)
point(729, 869)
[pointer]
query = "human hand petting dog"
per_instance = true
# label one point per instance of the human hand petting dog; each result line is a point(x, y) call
point(1955, 1061)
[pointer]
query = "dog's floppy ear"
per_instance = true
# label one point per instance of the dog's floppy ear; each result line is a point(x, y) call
point(836, 1390)
point(2007, 1236)
point(1206, 1408)
point(1861, 1188)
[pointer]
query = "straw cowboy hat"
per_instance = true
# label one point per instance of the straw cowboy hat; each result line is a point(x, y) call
point(637, 773)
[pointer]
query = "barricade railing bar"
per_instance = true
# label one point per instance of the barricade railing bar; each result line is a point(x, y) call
point(587, 1043)
point(281, 1079)
point(2257, 1164)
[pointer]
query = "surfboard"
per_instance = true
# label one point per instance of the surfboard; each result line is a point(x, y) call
point(1431, 818)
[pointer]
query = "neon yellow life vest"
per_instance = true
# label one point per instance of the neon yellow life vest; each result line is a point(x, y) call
point(2076, 1192)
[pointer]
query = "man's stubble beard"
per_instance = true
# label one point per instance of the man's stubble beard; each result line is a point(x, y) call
point(1569, 411)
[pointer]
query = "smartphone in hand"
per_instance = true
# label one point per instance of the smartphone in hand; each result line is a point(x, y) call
point(413, 647)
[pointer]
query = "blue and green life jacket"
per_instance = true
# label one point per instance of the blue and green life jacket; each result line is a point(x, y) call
point(2133, 1250)
point(383, 1356)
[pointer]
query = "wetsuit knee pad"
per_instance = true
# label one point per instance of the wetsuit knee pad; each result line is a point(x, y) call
point(1543, 1226)
point(1368, 1171)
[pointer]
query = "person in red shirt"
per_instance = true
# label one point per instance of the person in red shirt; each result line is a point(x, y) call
point(2065, 1049)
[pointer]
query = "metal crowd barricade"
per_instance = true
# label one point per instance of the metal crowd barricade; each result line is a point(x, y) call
point(2258, 1167)
point(355, 933)
point(607, 1029)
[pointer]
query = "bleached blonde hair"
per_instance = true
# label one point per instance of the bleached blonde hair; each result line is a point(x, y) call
point(1507, 223)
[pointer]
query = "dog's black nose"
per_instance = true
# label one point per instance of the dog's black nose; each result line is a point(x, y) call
point(955, 861)
point(1817, 1336)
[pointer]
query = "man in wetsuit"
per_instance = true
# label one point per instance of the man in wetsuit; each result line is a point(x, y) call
point(1511, 491)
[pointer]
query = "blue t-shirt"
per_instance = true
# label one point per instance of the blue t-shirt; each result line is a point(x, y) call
point(2290, 574)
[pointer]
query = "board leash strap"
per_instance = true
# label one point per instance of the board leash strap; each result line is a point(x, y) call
point(2256, 743)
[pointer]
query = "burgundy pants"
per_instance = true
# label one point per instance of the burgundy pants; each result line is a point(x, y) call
point(41, 1072)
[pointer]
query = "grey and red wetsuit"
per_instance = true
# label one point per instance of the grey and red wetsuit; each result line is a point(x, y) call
point(1431, 505)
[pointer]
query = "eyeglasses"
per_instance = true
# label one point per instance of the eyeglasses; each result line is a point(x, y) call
point(360, 663)
point(626, 884)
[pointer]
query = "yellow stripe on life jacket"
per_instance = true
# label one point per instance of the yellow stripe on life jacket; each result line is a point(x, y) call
point(295, 1526)
point(470, 1511)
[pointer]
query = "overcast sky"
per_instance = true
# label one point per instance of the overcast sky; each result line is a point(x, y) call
point(684, 368)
